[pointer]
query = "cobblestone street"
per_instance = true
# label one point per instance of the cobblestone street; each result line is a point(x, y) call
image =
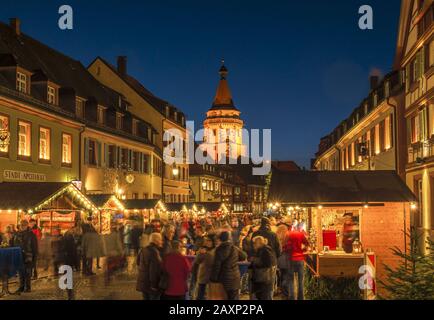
point(122, 287)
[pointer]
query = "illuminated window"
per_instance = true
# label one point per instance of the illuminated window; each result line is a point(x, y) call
point(66, 148)
point(377, 139)
point(387, 133)
point(21, 82)
point(353, 154)
point(24, 138)
point(4, 125)
point(44, 144)
point(79, 108)
point(51, 95)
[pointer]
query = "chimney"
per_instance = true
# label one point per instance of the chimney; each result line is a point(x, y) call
point(373, 81)
point(122, 65)
point(15, 24)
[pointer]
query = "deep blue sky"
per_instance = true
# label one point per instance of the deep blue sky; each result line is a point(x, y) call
point(297, 67)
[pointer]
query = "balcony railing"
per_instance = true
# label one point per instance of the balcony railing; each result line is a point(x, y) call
point(418, 152)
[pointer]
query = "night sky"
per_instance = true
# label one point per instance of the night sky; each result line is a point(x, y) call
point(297, 67)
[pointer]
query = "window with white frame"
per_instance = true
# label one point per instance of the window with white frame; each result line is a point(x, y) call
point(24, 138)
point(44, 143)
point(66, 148)
point(21, 82)
point(51, 95)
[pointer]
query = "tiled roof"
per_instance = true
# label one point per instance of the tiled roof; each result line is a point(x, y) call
point(322, 187)
point(26, 195)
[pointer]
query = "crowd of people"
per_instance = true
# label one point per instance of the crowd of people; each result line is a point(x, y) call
point(200, 259)
point(185, 258)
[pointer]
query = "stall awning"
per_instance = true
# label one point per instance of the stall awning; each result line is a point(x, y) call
point(106, 201)
point(322, 187)
point(34, 196)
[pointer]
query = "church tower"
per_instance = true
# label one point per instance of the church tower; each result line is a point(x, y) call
point(223, 125)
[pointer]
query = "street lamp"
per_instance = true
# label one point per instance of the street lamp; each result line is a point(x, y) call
point(175, 171)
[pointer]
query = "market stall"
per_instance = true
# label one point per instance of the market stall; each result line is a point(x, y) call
point(110, 207)
point(55, 206)
point(142, 211)
point(196, 209)
point(352, 219)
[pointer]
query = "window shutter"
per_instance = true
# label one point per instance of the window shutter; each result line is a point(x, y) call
point(382, 135)
point(372, 142)
point(409, 131)
point(422, 61)
point(98, 161)
point(407, 77)
point(118, 156)
point(130, 158)
point(105, 158)
point(86, 151)
point(391, 132)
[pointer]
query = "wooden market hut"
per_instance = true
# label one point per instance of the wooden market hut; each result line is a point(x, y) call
point(143, 210)
point(52, 204)
point(356, 216)
point(109, 208)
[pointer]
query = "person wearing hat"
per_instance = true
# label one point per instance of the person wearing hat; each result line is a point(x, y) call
point(225, 268)
point(272, 239)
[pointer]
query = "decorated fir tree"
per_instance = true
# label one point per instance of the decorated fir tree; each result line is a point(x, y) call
point(413, 278)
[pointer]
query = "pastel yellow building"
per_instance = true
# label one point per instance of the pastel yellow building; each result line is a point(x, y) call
point(415, 56)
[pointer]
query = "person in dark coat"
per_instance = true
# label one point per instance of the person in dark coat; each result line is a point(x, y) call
point(168, 234)
point(225, 268)
point(263, 261)
point(150, 268)
point(26, 240)
point(71, 254)
point(272, 239)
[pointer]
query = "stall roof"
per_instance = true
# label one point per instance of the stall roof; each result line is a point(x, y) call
point(100, 199)
point(140, 204)
point(24, 195)
point(323, 187)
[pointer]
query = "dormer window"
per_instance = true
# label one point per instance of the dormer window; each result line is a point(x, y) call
point(21, 82)
point(101, 115)
point(51, 95)
point(79, 108)
point(119, 121)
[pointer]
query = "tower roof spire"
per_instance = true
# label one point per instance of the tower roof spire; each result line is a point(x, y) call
point(223, 97)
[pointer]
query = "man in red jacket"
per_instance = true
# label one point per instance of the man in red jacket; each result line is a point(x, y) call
point(178, 268)
point(296, 246)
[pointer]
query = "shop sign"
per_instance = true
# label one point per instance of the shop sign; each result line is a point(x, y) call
point(24, 176)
